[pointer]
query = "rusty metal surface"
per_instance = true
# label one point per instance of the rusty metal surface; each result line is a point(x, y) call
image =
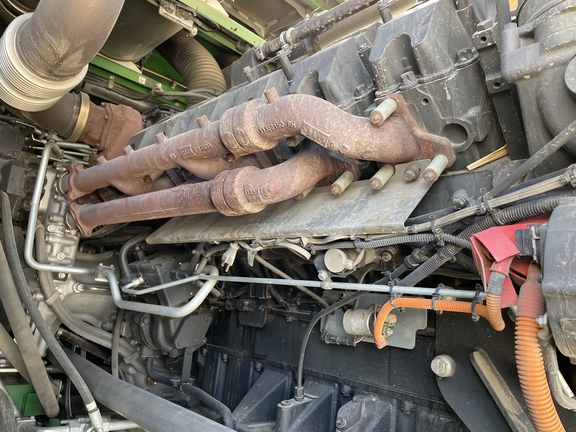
point(359, 210)
point(109, 128)
point(258, 125)
point(241, 191)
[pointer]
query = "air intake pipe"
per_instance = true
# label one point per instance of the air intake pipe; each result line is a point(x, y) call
point(45, 54)
point(257, 126)
point(196, 65)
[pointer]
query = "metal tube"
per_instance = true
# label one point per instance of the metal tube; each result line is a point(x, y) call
point(314, 284)
point(173, 312)
point(536, 159)
point(31, 229)
point(314, 26)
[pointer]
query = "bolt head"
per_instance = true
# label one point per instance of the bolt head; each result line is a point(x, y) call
point(443, 366)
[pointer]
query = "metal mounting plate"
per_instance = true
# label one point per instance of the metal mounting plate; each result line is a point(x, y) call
point(359, 210)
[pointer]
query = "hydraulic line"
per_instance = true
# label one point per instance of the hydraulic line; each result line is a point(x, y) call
point(167, 311)
point(430, 304)
point(503, 217)
point(123, 254)
point(205, 398)
point(116, 343)
point(211, 402)
point(490, 205)
point(313, 27)
point(561, 391)
point(536, 159)
point(38, 319)
point(413, 238)
point(498, 274)
point(531, 372)
point(280, 273)
point(149, 411)
point(299, 391)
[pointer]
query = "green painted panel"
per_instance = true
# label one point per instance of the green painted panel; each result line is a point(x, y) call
point(24, 398)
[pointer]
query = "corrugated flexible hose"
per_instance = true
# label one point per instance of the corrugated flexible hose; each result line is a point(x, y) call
point(196, 65)
point(529, 358)
point(416, 303)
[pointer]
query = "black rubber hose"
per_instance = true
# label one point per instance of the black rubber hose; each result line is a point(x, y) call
point(204, 397)
point(212, 403)
point(37, 319)
point(315, 26)
point(77, 341)
point(155, 376)
point(21, 327)
point(280, 273)
point(116, 343)
point(12, 353)
point(140, 406)
point(503, 217)
point(63, 36)
point(123, 254)
point(412, 238)
point(536, 159)
point(207, 255)
point(195, 63)
point(315, 320)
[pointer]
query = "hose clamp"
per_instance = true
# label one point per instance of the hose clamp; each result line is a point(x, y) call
point(475, 301)
point(391, 294)
point(82, 118)
point(436, 296)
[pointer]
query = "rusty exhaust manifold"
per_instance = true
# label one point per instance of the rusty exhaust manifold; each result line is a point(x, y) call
point(232, 193)
point(257, 126)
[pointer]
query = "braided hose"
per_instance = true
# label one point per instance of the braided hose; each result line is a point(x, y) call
point(511, 214)
point(415, 303)
point(415, 238)
point(529, 360)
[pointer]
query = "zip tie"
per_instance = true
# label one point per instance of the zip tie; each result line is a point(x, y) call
point(437, 232)
point(436, 296)
point(392, 295)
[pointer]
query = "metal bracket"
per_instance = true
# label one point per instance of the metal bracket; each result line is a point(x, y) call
point(569, 176)
point(173, 12)
point(99, 273)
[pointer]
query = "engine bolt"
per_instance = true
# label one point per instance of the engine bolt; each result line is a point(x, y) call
point(386, 256)
point(342, 183)
point(379, 115)
point(412, 173)
point(435, 168)
point(340, 423)
point(384, 174)
point(443, 366)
